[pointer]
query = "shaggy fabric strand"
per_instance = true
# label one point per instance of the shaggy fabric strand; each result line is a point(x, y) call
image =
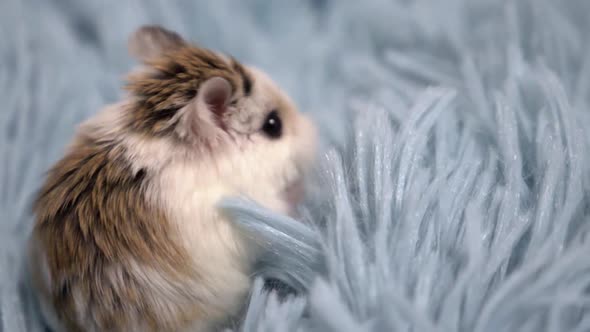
point(452, 188)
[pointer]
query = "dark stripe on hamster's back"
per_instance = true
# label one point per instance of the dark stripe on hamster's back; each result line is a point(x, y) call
point(246, 79)
point(172, 72)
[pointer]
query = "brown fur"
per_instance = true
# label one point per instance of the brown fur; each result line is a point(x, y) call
point(93, 218)
point(173, 81)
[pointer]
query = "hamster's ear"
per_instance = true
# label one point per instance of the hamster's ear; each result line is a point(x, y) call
point(214, 95)
point(204, 115)
point(150, 41)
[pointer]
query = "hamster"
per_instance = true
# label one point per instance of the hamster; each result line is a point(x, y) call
point(128, 236)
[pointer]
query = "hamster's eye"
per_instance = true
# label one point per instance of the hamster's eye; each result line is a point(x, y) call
point(273, 126)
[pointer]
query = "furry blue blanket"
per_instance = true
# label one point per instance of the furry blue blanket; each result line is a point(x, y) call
point(453, 189)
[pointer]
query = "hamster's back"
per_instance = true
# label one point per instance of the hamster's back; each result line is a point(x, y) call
point(95, 239)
